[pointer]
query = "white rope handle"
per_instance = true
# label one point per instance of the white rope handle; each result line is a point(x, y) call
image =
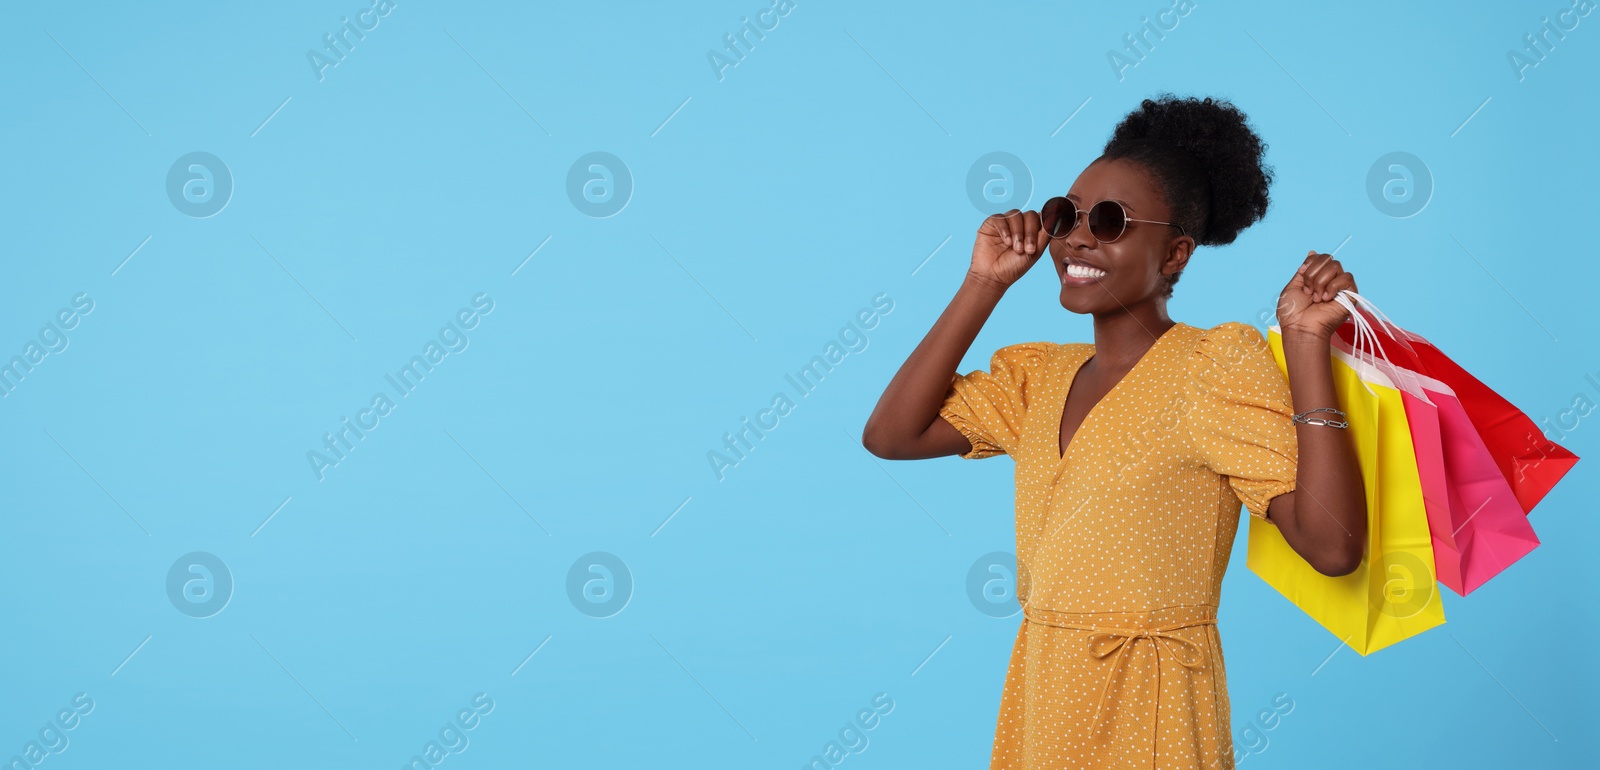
point(1395, 332)
point(1400, 376)
point(1364, 334)
point(1368, 304)
point(1363, 326)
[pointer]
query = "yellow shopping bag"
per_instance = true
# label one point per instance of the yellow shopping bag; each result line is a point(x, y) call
point(1394, 594)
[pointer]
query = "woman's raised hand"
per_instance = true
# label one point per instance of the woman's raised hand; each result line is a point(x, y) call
point(1007, 245)
point(1307, 303)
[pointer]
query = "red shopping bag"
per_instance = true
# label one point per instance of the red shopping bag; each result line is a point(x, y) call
point(1530, 463)
point(1477, 526)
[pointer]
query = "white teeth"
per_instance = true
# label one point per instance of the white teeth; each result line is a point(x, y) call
point(1079, 271)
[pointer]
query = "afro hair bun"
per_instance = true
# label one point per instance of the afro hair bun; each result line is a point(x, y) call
point(1206, 159)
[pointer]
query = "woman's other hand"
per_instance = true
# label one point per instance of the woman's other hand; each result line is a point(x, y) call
point(1007, 245)
point(1306, 305)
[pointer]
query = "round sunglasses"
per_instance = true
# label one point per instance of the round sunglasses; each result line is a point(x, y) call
point(1107, 219)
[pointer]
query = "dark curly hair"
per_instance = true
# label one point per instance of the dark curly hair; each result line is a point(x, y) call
point(1205, 158)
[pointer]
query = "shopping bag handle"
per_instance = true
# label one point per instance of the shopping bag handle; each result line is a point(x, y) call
point(1358, 349)
point(1366, 339)
point(1398, 334)
point(1407, 381)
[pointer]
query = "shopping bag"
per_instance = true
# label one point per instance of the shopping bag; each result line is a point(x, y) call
point(1392, 595)
point(1530, 463)
point(1476, 524)
point(1422, 417)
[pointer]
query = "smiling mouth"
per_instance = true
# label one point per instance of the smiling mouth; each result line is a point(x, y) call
point(1078, 273)
point(1084, 271)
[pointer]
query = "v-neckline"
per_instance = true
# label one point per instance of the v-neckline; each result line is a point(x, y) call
point(1071, 377)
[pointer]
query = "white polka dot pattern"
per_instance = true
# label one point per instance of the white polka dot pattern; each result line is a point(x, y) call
point(1123, 542)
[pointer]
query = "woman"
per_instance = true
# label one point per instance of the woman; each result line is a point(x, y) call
point(1134, 454)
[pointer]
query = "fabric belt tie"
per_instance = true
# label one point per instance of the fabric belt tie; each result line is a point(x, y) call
point(1108, 639)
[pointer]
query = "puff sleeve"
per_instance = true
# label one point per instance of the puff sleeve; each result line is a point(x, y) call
point(1240, 420)
point(989, 407)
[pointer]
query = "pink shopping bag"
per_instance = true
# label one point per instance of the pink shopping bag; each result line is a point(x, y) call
point(1477, 524)
point(1531, 463)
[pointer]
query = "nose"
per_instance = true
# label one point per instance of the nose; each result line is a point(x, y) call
point(1078, 237)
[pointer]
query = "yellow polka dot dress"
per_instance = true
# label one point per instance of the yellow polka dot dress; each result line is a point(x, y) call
point(1122, 543)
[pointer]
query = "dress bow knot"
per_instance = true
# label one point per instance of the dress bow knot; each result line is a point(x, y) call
point(1114, 641)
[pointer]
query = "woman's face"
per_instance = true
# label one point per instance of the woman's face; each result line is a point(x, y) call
point(1135, 263)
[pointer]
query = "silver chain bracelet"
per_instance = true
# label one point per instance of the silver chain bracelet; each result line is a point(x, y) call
point(1302, 418)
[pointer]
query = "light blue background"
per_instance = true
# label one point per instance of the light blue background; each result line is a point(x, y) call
point(767, 209)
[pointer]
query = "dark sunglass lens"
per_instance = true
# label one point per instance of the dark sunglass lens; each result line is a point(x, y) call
point(1057, 216)
point(1106, 221)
